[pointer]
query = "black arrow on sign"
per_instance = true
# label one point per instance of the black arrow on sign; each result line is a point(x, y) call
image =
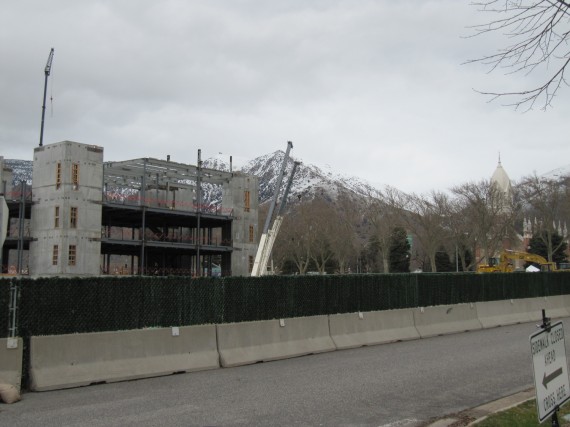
point(549, 378)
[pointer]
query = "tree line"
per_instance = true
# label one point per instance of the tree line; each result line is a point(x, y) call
point(393, 231)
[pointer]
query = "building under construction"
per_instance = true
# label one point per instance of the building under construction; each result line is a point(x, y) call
point(83, 216)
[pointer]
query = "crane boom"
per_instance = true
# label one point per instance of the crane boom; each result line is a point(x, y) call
point(268, 238)
point(48, 65)
point(47, 73)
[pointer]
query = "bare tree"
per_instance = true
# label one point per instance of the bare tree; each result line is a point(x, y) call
point(306, 235)
point(384, 213)
point(488, 215)
point(548, 200)
point(292, 243)
point(322, 225)
point(343, 238)
point(426, 218)
point(538, 32)
point(379, 231)
point(460, 232)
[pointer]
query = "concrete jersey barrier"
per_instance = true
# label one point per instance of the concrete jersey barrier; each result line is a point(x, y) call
point(446, 319)
point(63, 361)
point(11, 362)
point(375, 327)
point(73, 360)
point(251, 342)
point(556, 306)
point(509, 312)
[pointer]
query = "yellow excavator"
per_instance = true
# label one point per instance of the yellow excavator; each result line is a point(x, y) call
point(504, 264)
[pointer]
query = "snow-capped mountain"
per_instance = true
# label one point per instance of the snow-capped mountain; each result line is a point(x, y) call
point(21, 171)
point(558, 173)
point(216, 163)
point(309, 180)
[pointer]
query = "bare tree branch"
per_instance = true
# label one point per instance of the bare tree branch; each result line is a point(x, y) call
point(540, 35)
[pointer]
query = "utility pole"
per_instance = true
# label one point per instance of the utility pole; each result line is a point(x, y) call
point(198, 211)
point(46, 72)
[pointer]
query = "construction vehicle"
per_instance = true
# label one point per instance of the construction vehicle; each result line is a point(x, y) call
point(504, 264)
point(270, 234)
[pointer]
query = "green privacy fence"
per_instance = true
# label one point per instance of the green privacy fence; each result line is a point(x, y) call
point(52, 306)
point(4, 307)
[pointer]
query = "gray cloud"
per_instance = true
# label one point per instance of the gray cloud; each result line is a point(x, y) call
point(374, 89)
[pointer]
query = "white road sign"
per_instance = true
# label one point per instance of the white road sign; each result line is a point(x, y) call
point(550, 370)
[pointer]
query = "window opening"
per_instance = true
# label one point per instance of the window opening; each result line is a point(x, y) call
point(58, 175)
point(55, 255)
point(73, 218)
point(72, 254)
point(246, 200)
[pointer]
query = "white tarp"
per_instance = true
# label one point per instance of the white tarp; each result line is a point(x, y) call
point(532, 269)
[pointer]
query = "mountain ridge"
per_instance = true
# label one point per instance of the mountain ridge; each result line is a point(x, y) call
point(308, 182)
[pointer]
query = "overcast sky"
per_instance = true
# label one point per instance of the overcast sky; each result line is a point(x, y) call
point(374, 89)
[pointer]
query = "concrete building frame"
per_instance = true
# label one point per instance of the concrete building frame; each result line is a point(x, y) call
point(83, 216)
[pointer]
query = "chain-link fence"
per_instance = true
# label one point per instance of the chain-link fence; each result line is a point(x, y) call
point(53, 306)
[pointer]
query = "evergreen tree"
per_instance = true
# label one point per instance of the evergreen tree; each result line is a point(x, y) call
point(289, 267)
point(442, 261)
point(399, 251)
point(372, 252)
point(538, 247)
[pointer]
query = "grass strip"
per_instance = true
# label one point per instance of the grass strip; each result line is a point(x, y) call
point(523, 415)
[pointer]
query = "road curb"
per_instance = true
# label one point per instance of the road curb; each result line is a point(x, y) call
point(473, 416)
point(482, 412)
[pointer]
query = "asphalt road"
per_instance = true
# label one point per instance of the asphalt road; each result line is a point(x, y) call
point(400, 384)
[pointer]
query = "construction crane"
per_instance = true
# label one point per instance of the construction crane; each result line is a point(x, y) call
point(269, 235)
point(46, 72)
